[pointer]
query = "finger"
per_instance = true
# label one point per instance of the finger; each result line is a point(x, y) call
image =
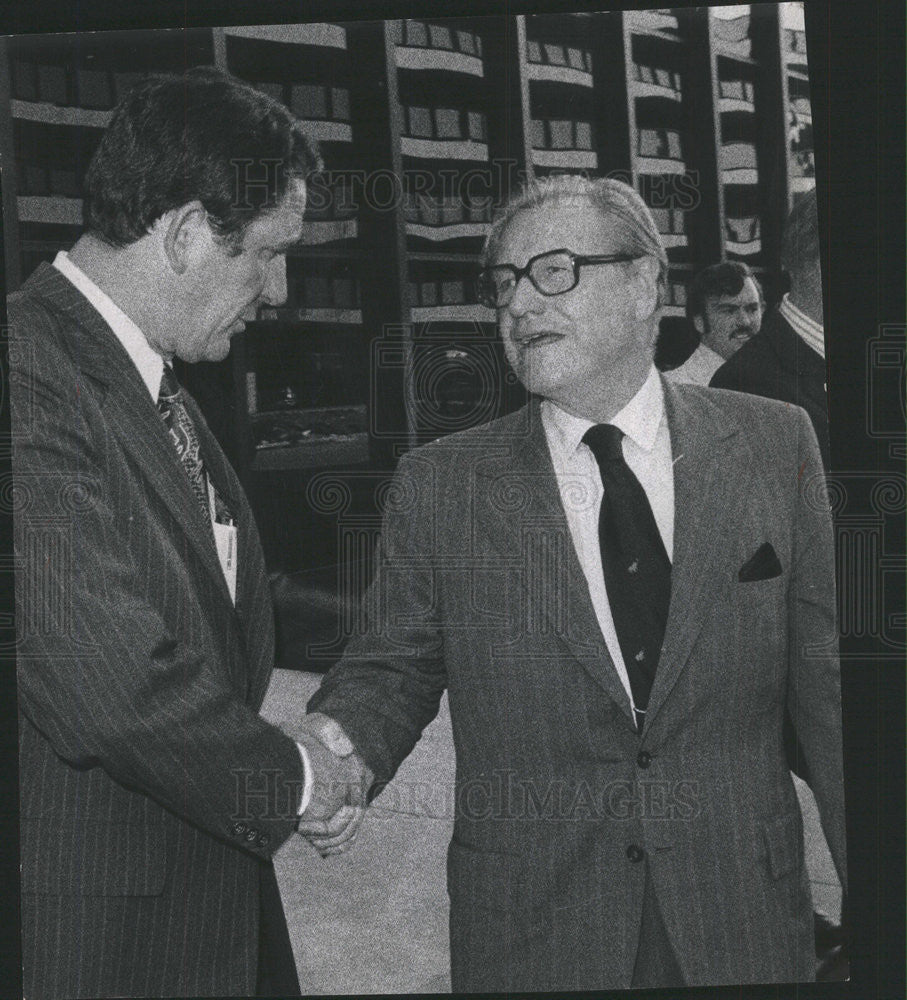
point(332, 827)
point(341, 837)
point(333, 737)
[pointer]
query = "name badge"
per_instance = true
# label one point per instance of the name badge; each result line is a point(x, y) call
point(225, 538)
point(225, 541)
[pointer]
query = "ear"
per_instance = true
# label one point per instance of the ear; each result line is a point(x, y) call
point(183, 227)
point(647, 287)
point(700, 326)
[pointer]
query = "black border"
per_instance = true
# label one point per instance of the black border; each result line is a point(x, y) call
point(856, 58)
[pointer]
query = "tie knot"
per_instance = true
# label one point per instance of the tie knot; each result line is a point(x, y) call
point(170, 387)
point(604, 442)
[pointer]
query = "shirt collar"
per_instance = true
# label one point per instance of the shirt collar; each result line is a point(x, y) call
point(148, 362)
point(639, 419)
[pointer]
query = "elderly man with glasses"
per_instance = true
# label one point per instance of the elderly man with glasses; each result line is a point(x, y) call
point(621, 586)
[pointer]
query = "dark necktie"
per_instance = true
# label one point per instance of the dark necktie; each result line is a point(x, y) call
point(182, 433)
point(636, 566)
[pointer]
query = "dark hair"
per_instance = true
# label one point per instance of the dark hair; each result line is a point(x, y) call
point(726, 278)
point(202, 135)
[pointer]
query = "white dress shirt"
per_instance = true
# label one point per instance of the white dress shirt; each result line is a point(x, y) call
point(150, 366)
point(647, 451)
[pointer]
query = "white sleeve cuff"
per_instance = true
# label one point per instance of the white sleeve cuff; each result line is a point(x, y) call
point(307, 780)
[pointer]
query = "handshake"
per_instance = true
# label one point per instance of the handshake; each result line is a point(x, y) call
point(338, 785)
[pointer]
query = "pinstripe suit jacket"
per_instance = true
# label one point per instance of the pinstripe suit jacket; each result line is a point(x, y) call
point(479, 589)
point(139, 682)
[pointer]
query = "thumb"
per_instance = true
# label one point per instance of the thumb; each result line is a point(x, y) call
point(331, 734)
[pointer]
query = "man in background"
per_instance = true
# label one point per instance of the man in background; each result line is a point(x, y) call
point(153, 795)
point(786, 360)
point(724, 306)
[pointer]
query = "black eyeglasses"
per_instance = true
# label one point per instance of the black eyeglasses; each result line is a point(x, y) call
point(551, 273)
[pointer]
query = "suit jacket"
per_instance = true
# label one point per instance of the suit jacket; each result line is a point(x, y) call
point(778, 364)
point(558, 799)
point(152, 793)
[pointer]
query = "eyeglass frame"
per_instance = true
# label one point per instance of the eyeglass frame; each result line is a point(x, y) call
point(576, 260)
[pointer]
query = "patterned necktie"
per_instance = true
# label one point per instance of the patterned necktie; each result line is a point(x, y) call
point(182, 433)
point(635, 564)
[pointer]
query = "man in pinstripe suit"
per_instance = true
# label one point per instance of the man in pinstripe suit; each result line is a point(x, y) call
point(625, 815)
point(153, 795)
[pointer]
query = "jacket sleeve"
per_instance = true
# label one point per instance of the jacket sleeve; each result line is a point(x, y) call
point(388, 685)
point(814, 690)
point(102, 675)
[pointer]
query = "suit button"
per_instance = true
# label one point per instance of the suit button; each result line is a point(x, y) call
point(263, 840)
point(635, 853)
point(644, 758)
point(238, 829)
point(251, 834)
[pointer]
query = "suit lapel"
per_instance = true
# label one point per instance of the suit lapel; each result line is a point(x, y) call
point(527, 528)
point(132, 414)
point(708, 485)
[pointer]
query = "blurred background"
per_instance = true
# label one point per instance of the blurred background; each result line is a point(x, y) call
point(426, 127)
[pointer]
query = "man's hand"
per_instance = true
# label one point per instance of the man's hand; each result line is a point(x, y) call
point(340, 783)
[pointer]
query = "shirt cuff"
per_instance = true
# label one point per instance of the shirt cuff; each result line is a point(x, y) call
point(307, 781)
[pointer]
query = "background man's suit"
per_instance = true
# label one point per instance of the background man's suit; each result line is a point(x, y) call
point(778, 364)
point(139, 681)
point(561, 805)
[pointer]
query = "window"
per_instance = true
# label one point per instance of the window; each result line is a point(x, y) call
point(429, 293)
point(467, 42)
point(273, 90)
point(52, 84)
point(317, 291)
point(24, 82)
point(452, 292)
point(451, 210)
point(430, 211)
point(645, 73)
point(577, 58)
point(673, 139)
point(478, 212)
point(476, 125)
point(533, 51)
point(307, 100)
point(650, 142)
point(410, 207)
point(448, 123)
point(95, 90)
point(583, 135)
point(561, 134)
point(667, 78)
point(742, 230)
point(345, 293)
point(64, 181)
point(555, 55)
point(416, 33)
point(440, 36)
point(420, 122)
point(340, 103)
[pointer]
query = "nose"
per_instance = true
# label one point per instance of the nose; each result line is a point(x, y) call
point(526, 298)
point(274, 292)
